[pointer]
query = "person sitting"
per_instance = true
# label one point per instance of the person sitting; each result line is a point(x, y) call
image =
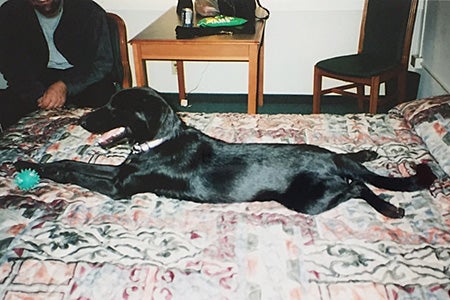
point(53, 53)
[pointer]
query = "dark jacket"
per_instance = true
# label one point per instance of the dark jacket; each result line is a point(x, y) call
point(82, 36)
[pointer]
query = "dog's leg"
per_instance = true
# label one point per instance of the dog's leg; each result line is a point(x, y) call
point(357, 189)
point(383, 207)
point(100, 178)
point(353, 190)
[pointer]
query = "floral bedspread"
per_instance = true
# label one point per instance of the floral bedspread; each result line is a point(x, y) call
point(61, 241)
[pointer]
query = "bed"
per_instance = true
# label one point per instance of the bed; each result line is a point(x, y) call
point(61, 241)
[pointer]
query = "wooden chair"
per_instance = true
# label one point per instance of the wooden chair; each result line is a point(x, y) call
point(383, 55)
point(121, 68)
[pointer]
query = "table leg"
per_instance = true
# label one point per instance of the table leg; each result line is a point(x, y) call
point(252, 79)
point(140, 67)
point(181, 82)
point(261, 75)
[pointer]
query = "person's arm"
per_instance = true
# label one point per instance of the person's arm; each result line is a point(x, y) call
point(98, 64)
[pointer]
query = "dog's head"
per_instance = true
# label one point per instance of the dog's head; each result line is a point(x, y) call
point(141, 112)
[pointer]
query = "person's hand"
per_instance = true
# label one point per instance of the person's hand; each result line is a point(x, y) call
point(54, 97)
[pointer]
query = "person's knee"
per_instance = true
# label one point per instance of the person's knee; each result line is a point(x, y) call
point(13, 107)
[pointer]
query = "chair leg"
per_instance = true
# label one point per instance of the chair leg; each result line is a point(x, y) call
point(317, 90)
point(374, 94)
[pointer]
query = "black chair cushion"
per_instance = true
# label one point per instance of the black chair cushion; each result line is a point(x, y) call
point(357, 65)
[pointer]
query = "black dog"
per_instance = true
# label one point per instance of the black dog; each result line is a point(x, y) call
point(174, 160)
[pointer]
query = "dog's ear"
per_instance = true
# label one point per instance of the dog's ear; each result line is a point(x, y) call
point(170, 122)
point(147, 115)
point(161, 119)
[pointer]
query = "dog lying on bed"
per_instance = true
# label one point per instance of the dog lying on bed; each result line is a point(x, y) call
point(174, 160)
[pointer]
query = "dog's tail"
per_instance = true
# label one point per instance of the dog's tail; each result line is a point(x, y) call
point(423, 178)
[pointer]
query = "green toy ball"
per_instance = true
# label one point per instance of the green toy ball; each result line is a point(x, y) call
point(27, 179)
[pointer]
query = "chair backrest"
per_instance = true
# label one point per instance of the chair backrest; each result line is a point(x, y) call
point(386, 29)
point(121, 68)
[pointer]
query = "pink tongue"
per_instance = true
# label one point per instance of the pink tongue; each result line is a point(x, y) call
point(112, 136)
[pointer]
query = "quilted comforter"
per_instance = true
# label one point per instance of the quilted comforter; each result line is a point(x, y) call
point(61, 241)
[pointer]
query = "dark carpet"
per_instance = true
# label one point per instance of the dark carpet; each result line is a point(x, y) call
point(273, 104)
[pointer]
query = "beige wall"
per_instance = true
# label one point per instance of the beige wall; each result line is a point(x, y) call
point(298, 34)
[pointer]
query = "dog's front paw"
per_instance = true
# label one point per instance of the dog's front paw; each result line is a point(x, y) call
point(425, 176)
